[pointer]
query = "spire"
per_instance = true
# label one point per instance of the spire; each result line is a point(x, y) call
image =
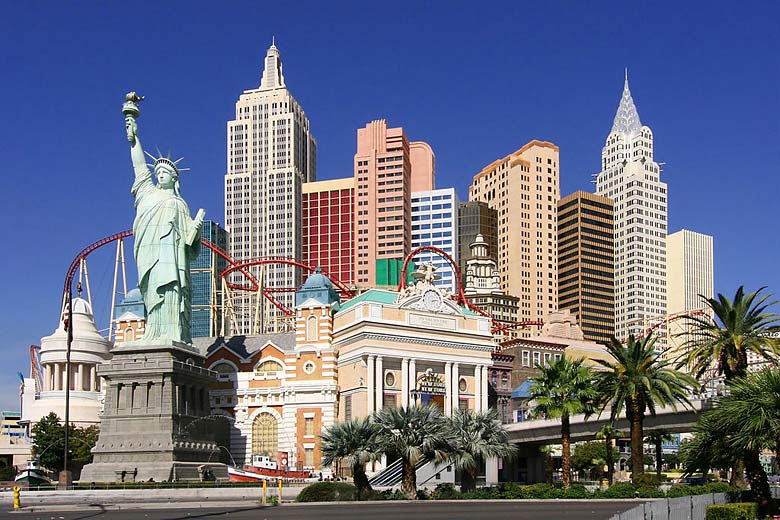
point(272, 74)
point(627, 118)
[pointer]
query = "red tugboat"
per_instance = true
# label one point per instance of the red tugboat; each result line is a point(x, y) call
point(263, 468)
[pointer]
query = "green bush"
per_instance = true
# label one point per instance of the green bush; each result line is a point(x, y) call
point(576, 490)
point(327, 492)
point(717, 487)
point(745, 511)
point(445, 492)
point(539, 491)
point(511, 490)
point(685, 490)
point(647, 480)
point(619, 490)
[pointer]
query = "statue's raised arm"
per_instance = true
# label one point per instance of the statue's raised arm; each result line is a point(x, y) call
point(132, 111)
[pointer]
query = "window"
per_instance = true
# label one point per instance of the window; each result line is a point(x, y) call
point(223, 368)
point(462, 385)
point(309, 367)
point(265, 435)
point(308, 457)
point(308, 426)
point(268, 368)
point(537, 358)
point(389, 379)
point(129, 334)
point(463, 404)
point(348, 408)
point(389, 401)
point(547, 357)
point(526, 358)
point(311, 328)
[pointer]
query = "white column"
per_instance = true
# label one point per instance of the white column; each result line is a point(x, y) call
point(484, 405)
point(380, 383)
point(412, 377)
point(93, 386)
point(79, 377)
point(447, 388)
point(46, 377)
point(57, 376)
point(405, 382)
point(370, 372)
point(455, 389)
point(491, 471)
point(477, 387)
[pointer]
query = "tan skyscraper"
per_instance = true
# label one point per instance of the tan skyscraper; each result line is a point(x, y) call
point(270, 153)
point(586, 263)
point(524, 189)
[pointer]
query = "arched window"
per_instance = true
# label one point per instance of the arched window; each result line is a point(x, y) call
point(311, 328)
point(265, 435)
point(268, 368)
point(129, 334)
point(223, 368)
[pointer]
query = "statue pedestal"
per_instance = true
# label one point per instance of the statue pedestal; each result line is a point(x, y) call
point(156, 423)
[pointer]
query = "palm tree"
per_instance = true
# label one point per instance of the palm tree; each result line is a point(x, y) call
point(638, 380)
point(562, 389)
point(414, 433)
point(352, 443)
point(657, 438)
point(740, 326)
point(477, 437)
point(609, 433)
point(740, 426)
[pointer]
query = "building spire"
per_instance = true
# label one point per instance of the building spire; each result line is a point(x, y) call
point(627, 118)
point(273, 76)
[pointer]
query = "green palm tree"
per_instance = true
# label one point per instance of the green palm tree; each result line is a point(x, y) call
point(739, 326)
point(638, 380)
point(477, 437)
point(352, 443)
point(414, 433)
point(609, 433)
point(562, 389)
point(657, 438)
point(740, 426)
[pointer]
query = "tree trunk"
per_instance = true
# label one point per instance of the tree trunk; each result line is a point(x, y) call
point(658, 458)
point(566, 441)
point(738, 475)
point(548, 466)
point(637, 450)
point(409, 480)
point(758, 483)
point(468, 481)
point(610, 462)
point(360, 479)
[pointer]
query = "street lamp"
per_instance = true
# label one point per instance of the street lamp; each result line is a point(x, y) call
point(65, 476)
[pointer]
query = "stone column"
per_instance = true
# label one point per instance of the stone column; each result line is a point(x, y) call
point(370, 373)
point(484, 405)
point(455, 389)
point(46, 377)
point(57, 376)
point(405, 382)
point(491, 471)
point(79, 377)
point(380, 384)
point(447, 388)
point(477, 388)
point(412, 378)
point(93, 382)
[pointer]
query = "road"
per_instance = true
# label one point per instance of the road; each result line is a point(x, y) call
point(438, 510)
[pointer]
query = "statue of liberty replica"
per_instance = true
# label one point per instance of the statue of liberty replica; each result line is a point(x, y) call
point(166, 239)
point(156, 423)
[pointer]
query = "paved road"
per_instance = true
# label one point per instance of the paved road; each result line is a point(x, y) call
point(516, 510)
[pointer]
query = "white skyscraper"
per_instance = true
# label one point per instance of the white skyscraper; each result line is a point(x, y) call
point(631, 178)
point(689, 270)
point(435, 223)
point(270, 153)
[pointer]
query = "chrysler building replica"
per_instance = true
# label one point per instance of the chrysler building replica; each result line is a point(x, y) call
point(631, 178)
point(270, 153)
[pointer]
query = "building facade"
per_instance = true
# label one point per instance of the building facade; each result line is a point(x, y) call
point(329, 227)
point(271, 153)
point(475, 218)
point(207, 304)
point(586, 263)
point(524, 189)
point(435, 223)
point(385, 171)
point(631, 178)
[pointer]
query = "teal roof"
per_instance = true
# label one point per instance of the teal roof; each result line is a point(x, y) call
point(372, 296)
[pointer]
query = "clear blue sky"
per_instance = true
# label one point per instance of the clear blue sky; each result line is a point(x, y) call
point(476, 80)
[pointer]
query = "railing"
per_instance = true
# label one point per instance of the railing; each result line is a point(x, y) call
point(683, 508)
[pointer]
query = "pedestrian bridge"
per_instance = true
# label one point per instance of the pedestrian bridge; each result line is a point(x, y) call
point(548, 431)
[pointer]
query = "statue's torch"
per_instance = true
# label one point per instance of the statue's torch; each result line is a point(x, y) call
point(132, 111)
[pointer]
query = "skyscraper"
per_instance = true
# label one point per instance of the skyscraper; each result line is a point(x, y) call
point(689, 270)
point(206, 286)
point(270, 154)
point(631, 178)
point(385, 171)
point(475, 218)
point(586, 263)
point(435, 223)
point(524, 189)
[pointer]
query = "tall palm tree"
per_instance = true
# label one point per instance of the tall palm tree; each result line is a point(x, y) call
point(657, 438)
point(741, 425)
point(477, 437)
point(562, 389)
point(609, 433)
point(352, 443)
point(414, 433)
point(739, 327)
point(638, 380)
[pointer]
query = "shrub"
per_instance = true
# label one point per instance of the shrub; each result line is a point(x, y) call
point(511, 490)
point(327, 492)
point(744, 511)
point(575, 491)
point(717, 487)
point(540, 491)
point(445, 492)
point(620, 490)
point(647, 480)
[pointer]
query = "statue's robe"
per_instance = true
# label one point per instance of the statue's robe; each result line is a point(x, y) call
point(162, 224)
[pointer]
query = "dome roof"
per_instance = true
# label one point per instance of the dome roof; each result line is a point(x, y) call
point(134, 296)
point(88, 344)
point(317, 280)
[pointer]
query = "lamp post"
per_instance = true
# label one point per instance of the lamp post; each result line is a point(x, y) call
point(65, 479)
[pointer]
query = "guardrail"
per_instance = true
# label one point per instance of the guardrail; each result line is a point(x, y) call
point(683, 508)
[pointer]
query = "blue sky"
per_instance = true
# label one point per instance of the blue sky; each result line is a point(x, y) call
point(476, 80)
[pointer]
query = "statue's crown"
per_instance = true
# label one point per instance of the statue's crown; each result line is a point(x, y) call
point(167, 161)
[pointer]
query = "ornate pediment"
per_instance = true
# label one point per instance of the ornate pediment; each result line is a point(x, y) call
point(424, 295)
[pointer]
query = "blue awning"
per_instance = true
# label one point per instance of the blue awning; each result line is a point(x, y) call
point(522, 391)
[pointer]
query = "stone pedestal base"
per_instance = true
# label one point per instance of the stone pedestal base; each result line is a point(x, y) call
point(156, 422)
